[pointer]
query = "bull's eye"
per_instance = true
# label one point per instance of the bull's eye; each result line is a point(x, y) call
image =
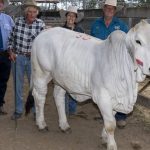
point(138, 42)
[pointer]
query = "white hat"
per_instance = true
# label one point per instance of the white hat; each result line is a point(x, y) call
point(28, 3)
point(113, 3)
point(72, 9)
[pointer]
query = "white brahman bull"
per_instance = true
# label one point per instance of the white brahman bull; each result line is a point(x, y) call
point(106, 71)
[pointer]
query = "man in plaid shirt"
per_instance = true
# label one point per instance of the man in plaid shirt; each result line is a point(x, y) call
point(20, 43)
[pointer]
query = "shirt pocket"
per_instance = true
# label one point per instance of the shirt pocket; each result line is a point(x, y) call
point(7, 27)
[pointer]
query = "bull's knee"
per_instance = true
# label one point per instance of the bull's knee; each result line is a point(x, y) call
point(110, 127)
point(39, 92)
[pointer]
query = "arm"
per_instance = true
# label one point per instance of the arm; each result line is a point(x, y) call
point(12, 55)
point(124, 27)
point(42, 26)
point(92, 30)
point(95, 29)
point(12, 34)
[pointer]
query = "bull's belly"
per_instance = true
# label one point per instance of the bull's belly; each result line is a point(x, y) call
point(80, 98)
point(78, 89)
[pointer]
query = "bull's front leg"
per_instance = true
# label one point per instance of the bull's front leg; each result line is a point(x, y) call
point(59, 96)
point(39, 93)
point(105, 105)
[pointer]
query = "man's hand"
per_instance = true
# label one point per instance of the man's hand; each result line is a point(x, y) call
point(12, 56)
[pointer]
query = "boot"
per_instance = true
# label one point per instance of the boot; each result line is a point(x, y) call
point(2, 112)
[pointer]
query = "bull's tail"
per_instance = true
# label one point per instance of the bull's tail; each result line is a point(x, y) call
point(29, 103)
point(30, 99)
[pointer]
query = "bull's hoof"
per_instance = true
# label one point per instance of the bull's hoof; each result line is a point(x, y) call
point(111, 147)
point(104, 142)
point(104, 145)
point(44, 129)
point(67, 131)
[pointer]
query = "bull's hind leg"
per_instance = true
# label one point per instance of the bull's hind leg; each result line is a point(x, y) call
point(39, 93)
point(59, 96)
point(105, 106)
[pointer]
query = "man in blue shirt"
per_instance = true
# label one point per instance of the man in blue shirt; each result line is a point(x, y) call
point(101, 29)
point(6, 24)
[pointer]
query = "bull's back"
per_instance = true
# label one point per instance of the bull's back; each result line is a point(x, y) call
point(68, 56)
point(58, 44)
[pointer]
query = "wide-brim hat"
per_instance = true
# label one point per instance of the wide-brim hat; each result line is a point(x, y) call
point(113, 3)
point(80, 15)
point(28, 3)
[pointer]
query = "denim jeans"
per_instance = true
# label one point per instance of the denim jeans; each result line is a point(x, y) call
point(120, 116)
point(70, 104)
point(5, 66)
point(21, 67)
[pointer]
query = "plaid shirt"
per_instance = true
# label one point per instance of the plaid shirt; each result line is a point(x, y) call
point(23, 34)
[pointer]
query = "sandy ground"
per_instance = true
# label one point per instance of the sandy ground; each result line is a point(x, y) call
point(85, 134)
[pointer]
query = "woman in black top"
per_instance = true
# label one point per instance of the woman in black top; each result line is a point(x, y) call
point(72, 17)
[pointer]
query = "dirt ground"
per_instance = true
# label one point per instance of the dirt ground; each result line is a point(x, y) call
point(86, 131)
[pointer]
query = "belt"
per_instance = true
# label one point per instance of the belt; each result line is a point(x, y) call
point(26, 54)
point(4, 53)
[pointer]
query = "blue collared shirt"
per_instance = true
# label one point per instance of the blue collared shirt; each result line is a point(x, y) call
point(101, 31)
point(6, 24)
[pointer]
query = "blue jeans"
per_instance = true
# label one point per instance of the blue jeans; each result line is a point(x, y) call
point(21, 67)
point(70, 104)
point(120, 116)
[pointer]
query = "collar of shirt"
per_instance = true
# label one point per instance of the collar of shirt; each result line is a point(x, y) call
point(114, 20)
point(25, 22)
